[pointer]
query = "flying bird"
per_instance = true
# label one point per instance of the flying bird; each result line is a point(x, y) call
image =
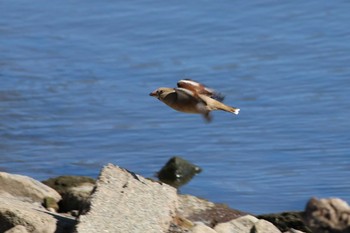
point(193, 97)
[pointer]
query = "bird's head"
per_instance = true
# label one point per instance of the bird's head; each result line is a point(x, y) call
point(161, 92)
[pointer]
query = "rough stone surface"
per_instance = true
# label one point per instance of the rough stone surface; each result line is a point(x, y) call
point(33, 217)
point(75, 192)
point(25, 188)
point(239, 225)
point(263, 226)
point(202, 228)
point(287, 220)
point(126, 202)
point(17, 229)
point(328, 215)
point(200, 210)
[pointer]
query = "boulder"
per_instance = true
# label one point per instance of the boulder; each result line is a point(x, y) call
point(328, 215)
point(126, 202)
point(32, 217)
point(75, 192)
point(25, 188)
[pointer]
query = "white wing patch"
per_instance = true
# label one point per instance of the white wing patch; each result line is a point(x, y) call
point(193, 83)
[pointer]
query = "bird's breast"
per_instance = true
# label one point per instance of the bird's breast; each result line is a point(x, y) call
point(188, 108)
point(183, 106)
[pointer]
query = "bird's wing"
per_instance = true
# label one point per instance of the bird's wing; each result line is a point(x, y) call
point(198, 88)
point(186, 94)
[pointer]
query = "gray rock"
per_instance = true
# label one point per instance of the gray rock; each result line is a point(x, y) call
point(25, 188)
point(33, 217)
point(126, 202)
point(263, 226)
point(202, 228)
point(328, 215)
point(17, 229)
point(239, 225)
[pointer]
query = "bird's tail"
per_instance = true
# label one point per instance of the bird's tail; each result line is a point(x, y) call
point(229, 109)
point(216, 105)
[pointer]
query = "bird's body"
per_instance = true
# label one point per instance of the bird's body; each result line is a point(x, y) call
point(181, 102)
point(192, 97)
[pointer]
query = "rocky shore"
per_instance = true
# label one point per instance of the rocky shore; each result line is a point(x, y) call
point(122, 201)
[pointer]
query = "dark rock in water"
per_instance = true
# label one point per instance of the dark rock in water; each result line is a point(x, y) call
point(177, 172)
point(328, 215)
point(287, 220)
point(75, 192)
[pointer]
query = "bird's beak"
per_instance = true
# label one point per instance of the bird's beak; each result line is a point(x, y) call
point(153, 93)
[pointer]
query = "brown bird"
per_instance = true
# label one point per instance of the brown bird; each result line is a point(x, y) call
point(193, 97)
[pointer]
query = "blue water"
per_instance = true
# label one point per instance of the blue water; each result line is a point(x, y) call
point(75, 78)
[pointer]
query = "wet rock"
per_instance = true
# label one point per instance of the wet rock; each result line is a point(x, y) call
point(25, 188)
point(33, 217)
point(75, 192)
point(200, 210)
point(287, 220)
point(126, 202)
point(177, 172)
point(328, 215)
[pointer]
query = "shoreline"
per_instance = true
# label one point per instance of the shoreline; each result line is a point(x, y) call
point(122, 201)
